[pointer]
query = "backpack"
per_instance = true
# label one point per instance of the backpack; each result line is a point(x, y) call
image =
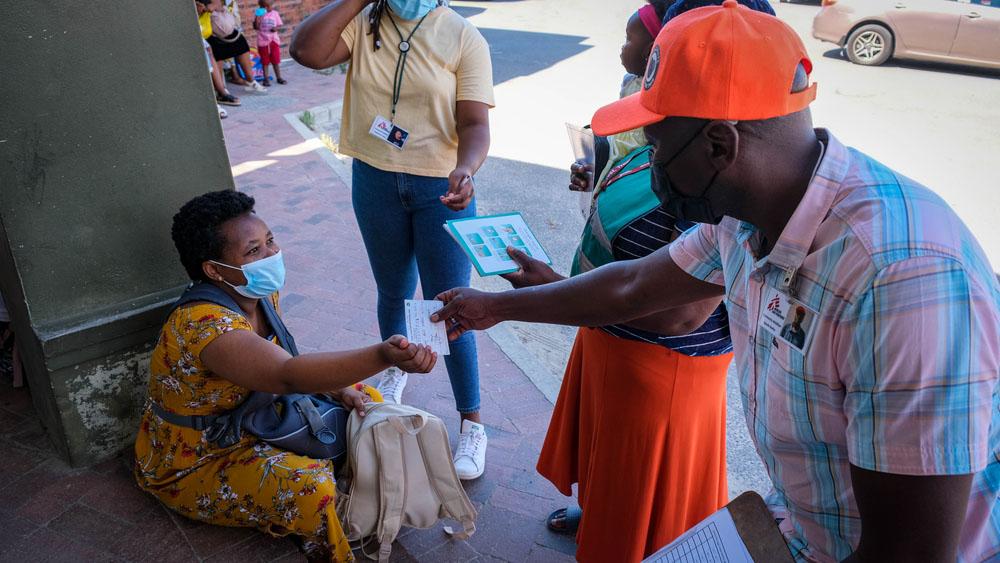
point(224, 26)
point(400, 473)
point(312, 425)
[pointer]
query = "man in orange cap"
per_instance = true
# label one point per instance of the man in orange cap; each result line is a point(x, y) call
point(881, 433)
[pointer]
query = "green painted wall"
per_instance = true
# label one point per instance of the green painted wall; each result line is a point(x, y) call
point(109, 125)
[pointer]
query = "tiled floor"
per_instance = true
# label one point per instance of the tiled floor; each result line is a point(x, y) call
point(50, 512)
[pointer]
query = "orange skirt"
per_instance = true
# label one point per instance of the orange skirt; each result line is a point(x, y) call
point(642, 430)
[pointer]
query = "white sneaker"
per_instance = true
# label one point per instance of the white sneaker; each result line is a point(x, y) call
point(222, 113)
point(392, 384)
point(470, 457)
point(254, 86)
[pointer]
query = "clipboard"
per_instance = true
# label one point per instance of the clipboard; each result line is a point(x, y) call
point(743, 531)
point(756, 526)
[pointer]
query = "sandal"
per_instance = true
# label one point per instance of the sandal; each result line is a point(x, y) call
point(227, 99)
point(282, 81)
point(565, 520)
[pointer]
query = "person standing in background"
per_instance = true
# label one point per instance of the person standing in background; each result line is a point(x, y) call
point(418, 67)
point(267, 20)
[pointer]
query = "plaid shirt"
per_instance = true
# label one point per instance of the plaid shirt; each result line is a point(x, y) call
point(901, 373)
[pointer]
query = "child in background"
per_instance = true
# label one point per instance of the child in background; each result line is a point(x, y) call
point(267, 22)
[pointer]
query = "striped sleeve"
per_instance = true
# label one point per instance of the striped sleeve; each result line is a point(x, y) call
point(697, 253)
point(923, 351)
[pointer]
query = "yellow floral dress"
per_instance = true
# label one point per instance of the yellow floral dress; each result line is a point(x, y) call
point(250, 484)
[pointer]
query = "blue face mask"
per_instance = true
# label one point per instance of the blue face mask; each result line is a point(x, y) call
point(412, 9)
point(264, 276)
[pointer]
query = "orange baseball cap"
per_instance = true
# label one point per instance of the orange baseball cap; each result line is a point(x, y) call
point(718, 62)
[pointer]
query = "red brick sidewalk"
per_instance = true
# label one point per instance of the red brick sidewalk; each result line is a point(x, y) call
point(50, 512)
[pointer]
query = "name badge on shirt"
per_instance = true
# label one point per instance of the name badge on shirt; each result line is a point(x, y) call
point(389, 132)
point(787, 319)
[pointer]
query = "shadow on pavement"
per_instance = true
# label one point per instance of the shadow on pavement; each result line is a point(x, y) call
point(942, 68)
point(468, 11)
point(546, 50)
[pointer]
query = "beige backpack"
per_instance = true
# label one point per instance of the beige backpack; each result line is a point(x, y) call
point(400, 474)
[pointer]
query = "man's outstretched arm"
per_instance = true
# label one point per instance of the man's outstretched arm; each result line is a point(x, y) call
point(616, 293)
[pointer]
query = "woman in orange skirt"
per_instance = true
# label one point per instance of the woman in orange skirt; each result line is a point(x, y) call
point(642, 430)
point(640, 423)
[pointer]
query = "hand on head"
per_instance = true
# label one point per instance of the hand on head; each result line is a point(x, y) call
point(409, 357)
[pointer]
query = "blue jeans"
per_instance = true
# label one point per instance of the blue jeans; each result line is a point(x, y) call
point(401, 221)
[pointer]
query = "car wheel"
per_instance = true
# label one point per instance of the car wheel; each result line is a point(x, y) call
point(869, 45)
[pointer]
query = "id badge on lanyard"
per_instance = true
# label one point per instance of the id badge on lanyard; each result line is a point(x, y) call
point(785, 317)
point(387, 129)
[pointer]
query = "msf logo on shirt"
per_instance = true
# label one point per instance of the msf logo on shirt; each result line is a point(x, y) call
point(774, 304)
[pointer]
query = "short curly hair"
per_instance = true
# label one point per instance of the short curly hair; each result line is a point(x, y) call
point(196, 232)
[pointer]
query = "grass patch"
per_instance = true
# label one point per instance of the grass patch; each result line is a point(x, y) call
point(308, 119)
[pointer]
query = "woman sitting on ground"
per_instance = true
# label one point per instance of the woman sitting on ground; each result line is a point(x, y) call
point(209, 359)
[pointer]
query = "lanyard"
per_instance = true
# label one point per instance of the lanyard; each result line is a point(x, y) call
point(616, 174)
point(404, 50)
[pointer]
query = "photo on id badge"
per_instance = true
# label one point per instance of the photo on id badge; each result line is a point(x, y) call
point(397, 137)
point(788, 320)
point(796, 327)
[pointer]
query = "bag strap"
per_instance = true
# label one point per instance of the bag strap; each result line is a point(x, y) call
point(197, 422)
point(392, 488)
point(444, 480)
point(225, 429)
point(211, 293)
point(314, 419)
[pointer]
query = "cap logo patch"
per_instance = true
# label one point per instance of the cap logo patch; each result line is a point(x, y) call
point(651, 68)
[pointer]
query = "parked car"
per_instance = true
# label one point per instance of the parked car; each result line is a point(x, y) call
point(872, 31)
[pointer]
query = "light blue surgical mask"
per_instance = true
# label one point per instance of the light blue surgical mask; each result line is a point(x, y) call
point(412, 9)
point(264, 276)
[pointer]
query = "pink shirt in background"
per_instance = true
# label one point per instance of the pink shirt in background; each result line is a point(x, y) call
point(267, 28)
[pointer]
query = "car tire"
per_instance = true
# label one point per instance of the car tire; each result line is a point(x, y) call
point(869, 45)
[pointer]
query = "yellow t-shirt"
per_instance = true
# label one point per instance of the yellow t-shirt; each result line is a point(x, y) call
point(448, 62)
point(205, 21)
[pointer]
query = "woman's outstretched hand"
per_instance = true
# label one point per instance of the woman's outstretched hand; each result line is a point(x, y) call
point(407, 356)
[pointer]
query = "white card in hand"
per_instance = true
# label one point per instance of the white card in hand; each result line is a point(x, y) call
point(420, 329)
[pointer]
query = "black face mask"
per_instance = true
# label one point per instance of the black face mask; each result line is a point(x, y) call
point(696, 209)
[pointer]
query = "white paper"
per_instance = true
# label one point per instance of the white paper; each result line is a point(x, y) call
point(713, 540)
point(485, 240)
point(380, 128)
point(420, 329)
point(581, 139)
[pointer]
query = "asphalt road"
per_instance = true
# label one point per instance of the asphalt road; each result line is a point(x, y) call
point(556, 61)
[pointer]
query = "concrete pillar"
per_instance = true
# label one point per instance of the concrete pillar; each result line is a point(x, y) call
point(109, 125)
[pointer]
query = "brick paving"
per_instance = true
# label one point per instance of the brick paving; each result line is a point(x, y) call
point(51, 512)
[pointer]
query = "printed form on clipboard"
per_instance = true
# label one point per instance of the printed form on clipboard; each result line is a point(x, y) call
point(485, 240)
point(744, 531)
point(713, 540)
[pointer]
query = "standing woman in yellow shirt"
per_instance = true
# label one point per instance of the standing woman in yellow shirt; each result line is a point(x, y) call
point(415, 120)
